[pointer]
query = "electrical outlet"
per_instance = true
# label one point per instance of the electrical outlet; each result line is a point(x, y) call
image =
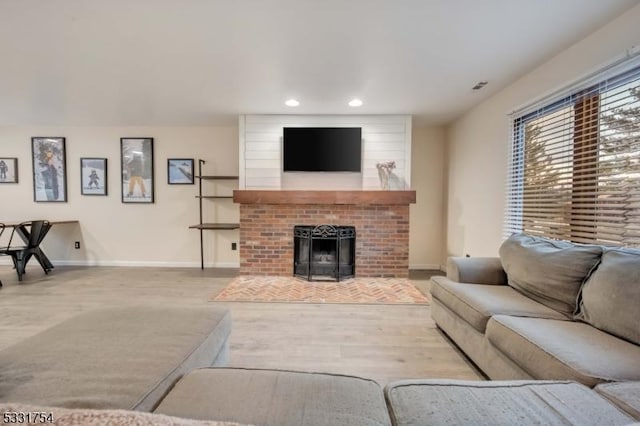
point(234, 246)
point(77, 245)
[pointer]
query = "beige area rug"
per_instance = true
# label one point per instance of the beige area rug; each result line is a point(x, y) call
point(290, 289)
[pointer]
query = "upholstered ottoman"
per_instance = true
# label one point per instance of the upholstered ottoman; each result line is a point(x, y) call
point(124, 358)
point(276, 397)
point(439, 402)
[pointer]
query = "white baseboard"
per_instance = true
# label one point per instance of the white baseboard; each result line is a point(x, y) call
point(159, 264)
point(425, 266)
point(128, 263)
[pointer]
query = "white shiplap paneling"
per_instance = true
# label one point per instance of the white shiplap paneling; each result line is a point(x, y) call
point(384, 137)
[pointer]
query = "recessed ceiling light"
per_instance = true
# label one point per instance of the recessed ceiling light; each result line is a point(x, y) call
point(355, 103)
point(292, 103)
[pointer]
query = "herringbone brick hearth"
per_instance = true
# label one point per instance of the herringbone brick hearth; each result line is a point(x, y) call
point(290, 289)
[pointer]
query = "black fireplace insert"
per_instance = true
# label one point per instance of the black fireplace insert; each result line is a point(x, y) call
point(324, 252)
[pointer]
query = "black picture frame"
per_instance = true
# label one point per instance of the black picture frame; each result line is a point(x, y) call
point(49, 161)
point(93, 176)
point(8, 170)
point(136, 162)
point(180, 171)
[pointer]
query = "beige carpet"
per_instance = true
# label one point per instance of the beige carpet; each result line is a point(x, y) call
point(290, 289)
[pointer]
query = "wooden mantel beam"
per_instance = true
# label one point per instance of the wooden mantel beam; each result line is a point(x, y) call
point(241, 196)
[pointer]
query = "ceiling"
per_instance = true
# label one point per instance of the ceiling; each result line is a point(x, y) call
point(203, 62)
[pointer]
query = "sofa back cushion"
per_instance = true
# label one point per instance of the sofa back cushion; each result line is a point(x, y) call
point(548, 271)
point(610, 298)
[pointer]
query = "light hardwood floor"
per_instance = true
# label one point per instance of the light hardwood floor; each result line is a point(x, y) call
point(382, 342)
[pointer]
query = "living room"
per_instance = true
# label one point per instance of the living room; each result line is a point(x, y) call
point(96, 76)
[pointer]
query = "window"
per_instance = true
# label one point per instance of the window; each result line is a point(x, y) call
point(575, 164)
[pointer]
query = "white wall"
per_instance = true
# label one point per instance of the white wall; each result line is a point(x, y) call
point(112, 233)
point(385, 138)
point(478, 142)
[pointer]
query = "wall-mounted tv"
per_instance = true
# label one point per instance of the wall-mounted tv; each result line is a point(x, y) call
point(322, 149)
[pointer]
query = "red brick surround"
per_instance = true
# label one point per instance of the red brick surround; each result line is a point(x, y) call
point(382, 241)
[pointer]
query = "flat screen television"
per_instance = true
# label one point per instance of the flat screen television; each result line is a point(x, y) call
point(322, 149)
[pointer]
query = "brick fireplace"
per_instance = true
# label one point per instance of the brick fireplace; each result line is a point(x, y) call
point(381, 219)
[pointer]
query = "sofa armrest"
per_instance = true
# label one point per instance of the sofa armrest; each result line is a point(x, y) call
point(477, 270)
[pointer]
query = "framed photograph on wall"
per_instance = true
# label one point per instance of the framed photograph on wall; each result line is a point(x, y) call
point(8, 170)
point(93, 176)
point(49, 169)
point(136, 159)
point(180, 171)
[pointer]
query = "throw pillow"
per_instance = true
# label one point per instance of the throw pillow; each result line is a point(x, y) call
point(611, 296)
point(548, 271)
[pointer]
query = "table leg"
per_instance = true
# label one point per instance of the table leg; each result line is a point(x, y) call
point(42, 258)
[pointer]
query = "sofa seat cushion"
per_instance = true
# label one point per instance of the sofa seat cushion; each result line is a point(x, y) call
point(88, 417)
point(611, 296)
point(276, 397)
point(120, 358)
point(549, 271)
point(564, 350)
point(625, 395)
point(476, 303)
point(456, 402)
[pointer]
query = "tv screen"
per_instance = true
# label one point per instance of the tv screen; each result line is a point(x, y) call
point(322, 149)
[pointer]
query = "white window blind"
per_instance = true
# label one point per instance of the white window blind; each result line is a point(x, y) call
point(574, 170)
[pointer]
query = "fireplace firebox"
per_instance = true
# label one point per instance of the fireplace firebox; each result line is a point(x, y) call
point(324, 252)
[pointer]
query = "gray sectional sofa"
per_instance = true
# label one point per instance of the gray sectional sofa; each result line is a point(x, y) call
point(233, 396)
point(545, 309)
point(155, 366)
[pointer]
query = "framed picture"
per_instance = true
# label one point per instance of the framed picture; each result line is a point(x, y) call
point(49, 169)
point(136, 159)
point(93, 176)
point(8, 170)
point(180, 171)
